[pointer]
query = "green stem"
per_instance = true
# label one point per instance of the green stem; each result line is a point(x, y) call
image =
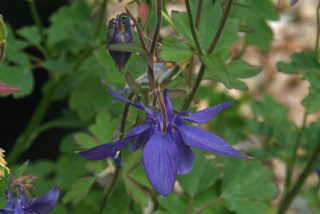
point(285, 203)
point(215, 40)
point(23, 142)
point(205, 206)
point(36, 18)
point(192, 27)
point(157, 29)
point(198, 14)
point(110, 187)
point(100, 18)
point(291, 162)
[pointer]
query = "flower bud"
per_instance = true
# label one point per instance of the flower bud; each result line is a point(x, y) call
point(3, 36)
point(120, 32)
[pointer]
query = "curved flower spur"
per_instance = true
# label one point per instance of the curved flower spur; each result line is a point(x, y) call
point(167, 150)
point(120, 32)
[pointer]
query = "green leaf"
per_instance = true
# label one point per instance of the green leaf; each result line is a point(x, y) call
point(135, 191)
point(30, 33)
point(175, 50)
point(133, 85)
point(174, 204)
point(176, 93)
point(217, 68)
point(203, 175)
point(79, 190)
point(312, 101)
point(241, 69)
point(59, 66)
point(3, 30)
point(242, 178)
point(20, 171)
point(89, 97)
point(85, 141)
point(269, 109)
point(181, 21)
point(18, 76)
point(118, 201)
point(300, 62)
point(104, 127)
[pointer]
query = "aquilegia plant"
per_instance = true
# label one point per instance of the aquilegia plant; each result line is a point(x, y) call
point(41, 205)
point(167, 151)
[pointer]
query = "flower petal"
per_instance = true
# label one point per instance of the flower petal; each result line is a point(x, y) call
point(208, 113)
point(169, 108)
point(202, 139)
point(7, 89)
point(160, 161)
point(10, 202)
point(186, 156)
point(44, 203)
point(109, 149)
point(119, 97)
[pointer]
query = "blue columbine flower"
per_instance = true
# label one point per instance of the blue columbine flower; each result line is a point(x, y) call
point(167, 154)
point(41, 205)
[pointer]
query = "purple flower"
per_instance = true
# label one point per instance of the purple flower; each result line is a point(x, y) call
point(120, 31)
point(167, 154)
point(293, 2)
point(41, 205)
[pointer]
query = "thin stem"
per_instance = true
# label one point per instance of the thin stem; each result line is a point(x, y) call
point(294, 155)
point(110, 187)
point(316, 48)
point(193, 30)
point(33, 58)
point(190, 71)
point(100, 18)
point(198, 14)
point(36, 18)
point(215, 40)
point(285, 203)
point(23, 143)
point(163, 110)
point(140, 33)
point(205, 206)
point(157, 29)
point(190, 205)
point(221, 26)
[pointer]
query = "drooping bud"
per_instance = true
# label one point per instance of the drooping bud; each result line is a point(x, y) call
point(7, 89)
point(143, 13)
point(120, 32)
point(3, 36)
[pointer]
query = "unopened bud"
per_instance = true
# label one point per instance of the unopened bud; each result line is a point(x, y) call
point(120, 32)
point(3, 30)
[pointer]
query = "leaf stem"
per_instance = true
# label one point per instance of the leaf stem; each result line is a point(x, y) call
point(294, 154)
point(157, 29)
point(110, 187)
point(192, 27)
point(285, 203)
point(205, 206)
point(198, 14)
point(100, 18)
point(36, 18)
point(215, 40)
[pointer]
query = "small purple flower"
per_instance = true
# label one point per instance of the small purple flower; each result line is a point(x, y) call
point(41, 205)
point(293, 2)
point(167, 154)
point(120, 31)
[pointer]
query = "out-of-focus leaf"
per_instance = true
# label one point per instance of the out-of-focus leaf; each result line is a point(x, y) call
point(300, 62)
point(312, 101)
point(255, 15)
point(30, 33)
point(174, 204)
point(79, 190)
point(241, 69)
point(176, 93)
point(175, 50)
point(118, 201)
point(217, 68)
point(104, 127)
point(133, 85)
point(20, 171)
point(269, 108)
point(89, 97)
point(85, 141)
point(3, 30)
point(181, 21)
point(19, 76)
point(59, 66)
point(242, 178)
point(203, 175)
point(135, 191)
